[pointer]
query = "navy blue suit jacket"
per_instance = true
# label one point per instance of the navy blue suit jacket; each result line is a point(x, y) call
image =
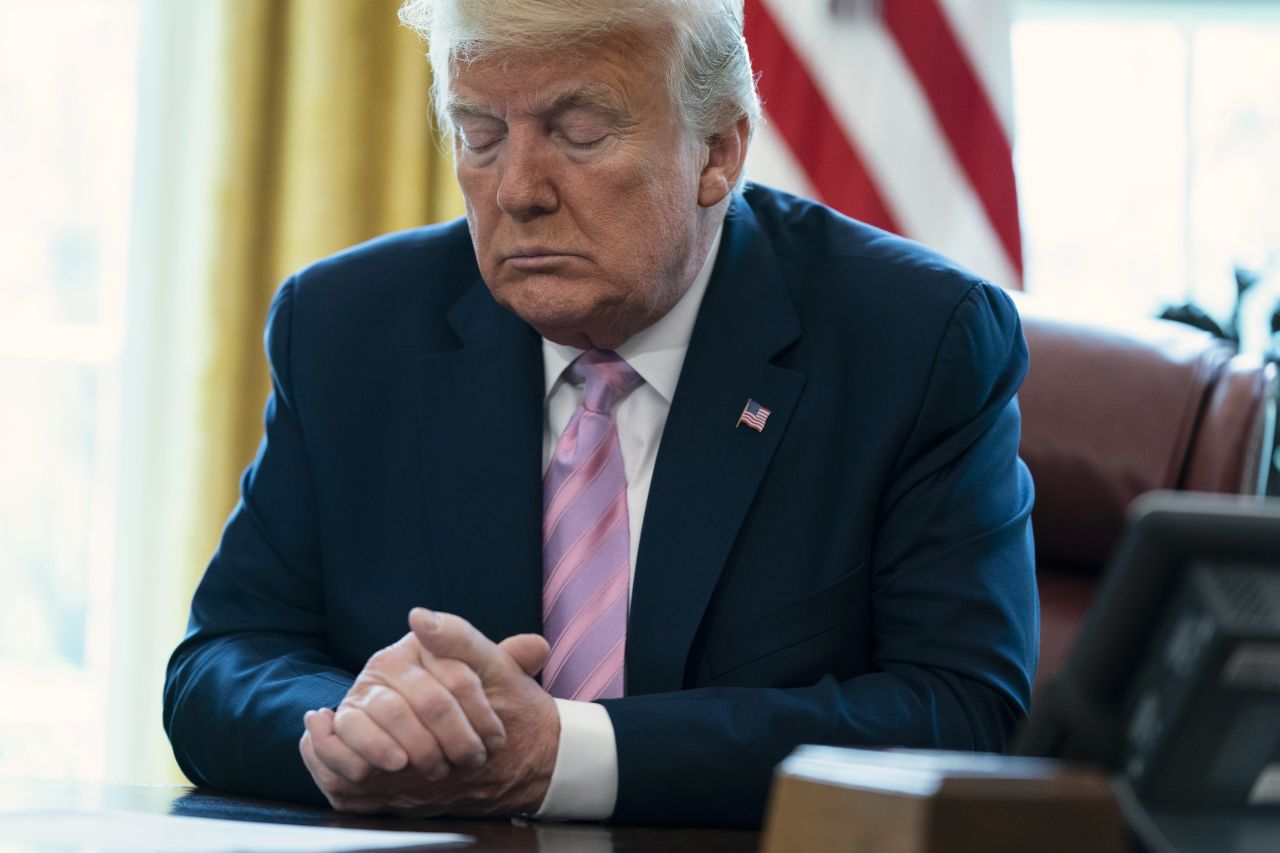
point(859, 572)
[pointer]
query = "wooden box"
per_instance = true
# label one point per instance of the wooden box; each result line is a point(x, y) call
point(909, 801)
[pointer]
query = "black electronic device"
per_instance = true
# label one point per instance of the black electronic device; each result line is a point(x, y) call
point(1174, 684)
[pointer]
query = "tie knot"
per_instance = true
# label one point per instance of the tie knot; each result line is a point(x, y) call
point(607, 379)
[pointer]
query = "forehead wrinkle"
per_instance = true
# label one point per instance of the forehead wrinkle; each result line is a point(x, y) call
point(465, 108)
point(591, 98)
point(510, 77)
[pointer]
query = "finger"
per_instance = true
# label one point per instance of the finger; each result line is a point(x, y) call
point(477, 730)
point(333, 785)
point(393, 709)
point(449, 636)
point(366, 736)
point(358, 805)
point(324, 778)
point(335, 755)
point(529, 650)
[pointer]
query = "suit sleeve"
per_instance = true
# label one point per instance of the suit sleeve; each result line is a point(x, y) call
point(954, 632)
point(253, 660)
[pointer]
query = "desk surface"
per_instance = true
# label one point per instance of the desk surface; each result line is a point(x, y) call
point(503, 835)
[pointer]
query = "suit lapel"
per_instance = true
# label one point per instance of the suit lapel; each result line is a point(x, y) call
point(708, 469)
point(481, 415)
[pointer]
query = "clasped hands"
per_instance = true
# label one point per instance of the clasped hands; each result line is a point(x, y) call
point(443, 721)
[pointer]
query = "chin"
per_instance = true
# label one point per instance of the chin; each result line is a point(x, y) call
point(575, 324)
point(574, 331)
point(570, 331)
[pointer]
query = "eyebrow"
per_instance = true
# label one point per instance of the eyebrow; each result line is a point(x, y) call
point(463, 108)
point(587, 98)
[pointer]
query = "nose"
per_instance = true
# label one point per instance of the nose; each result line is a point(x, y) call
point(526, 183)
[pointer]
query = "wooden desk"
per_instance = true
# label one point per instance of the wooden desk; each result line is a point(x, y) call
point(500, 835)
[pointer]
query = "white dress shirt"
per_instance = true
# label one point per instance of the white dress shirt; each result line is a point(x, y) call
point(584, 784)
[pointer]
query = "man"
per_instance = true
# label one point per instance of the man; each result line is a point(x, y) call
point(749, 466)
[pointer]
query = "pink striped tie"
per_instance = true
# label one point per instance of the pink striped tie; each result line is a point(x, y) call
point(586, 539)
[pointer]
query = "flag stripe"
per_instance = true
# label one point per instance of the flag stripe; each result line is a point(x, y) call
point(963, 110)
point(804, 119)
point(901, 142)
point(982, 28)
point(879, 102)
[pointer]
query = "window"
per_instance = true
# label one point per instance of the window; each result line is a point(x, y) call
point(67, 117)
point(1148, 150)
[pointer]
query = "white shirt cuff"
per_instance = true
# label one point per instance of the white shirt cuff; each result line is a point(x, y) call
point(584, 783)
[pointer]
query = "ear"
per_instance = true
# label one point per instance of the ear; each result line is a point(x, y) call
point(726, 158)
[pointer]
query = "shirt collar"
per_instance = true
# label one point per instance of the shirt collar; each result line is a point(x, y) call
point(656, 353)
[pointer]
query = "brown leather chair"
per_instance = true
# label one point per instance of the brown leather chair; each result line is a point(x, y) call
point(1115, 408)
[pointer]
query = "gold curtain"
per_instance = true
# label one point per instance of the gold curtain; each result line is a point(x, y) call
point(326, 139)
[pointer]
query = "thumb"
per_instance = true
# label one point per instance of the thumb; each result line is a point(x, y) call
point(529, 650)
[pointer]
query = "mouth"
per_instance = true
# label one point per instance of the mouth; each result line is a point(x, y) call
point(536, 252)
point(538, 258)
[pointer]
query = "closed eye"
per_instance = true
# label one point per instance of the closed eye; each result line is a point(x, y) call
point(479, 133)
point(588, 145)
point(580, 137)
point(582, 128)
point(478, 147)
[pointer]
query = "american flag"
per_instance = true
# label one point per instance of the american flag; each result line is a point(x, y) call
point(895, 112)
point(754, 415)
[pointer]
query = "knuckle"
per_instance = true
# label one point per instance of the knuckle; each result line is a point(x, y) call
point(434, 704)
point(326, 780)
point(337, 784)
point(390, 657)
point(386, 704)
point(430, 753)
point(356, 695)
point(346, 721)
point(405, 648)
point(425, 756)
point(460, 680)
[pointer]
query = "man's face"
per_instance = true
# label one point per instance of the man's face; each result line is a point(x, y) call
point(581, 187)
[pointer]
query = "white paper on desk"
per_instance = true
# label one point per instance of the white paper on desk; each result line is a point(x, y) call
point(120, 830)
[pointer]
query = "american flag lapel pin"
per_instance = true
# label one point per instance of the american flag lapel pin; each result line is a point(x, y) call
point(753, 415)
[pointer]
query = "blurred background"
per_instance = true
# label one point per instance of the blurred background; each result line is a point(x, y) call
point(164, 164)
